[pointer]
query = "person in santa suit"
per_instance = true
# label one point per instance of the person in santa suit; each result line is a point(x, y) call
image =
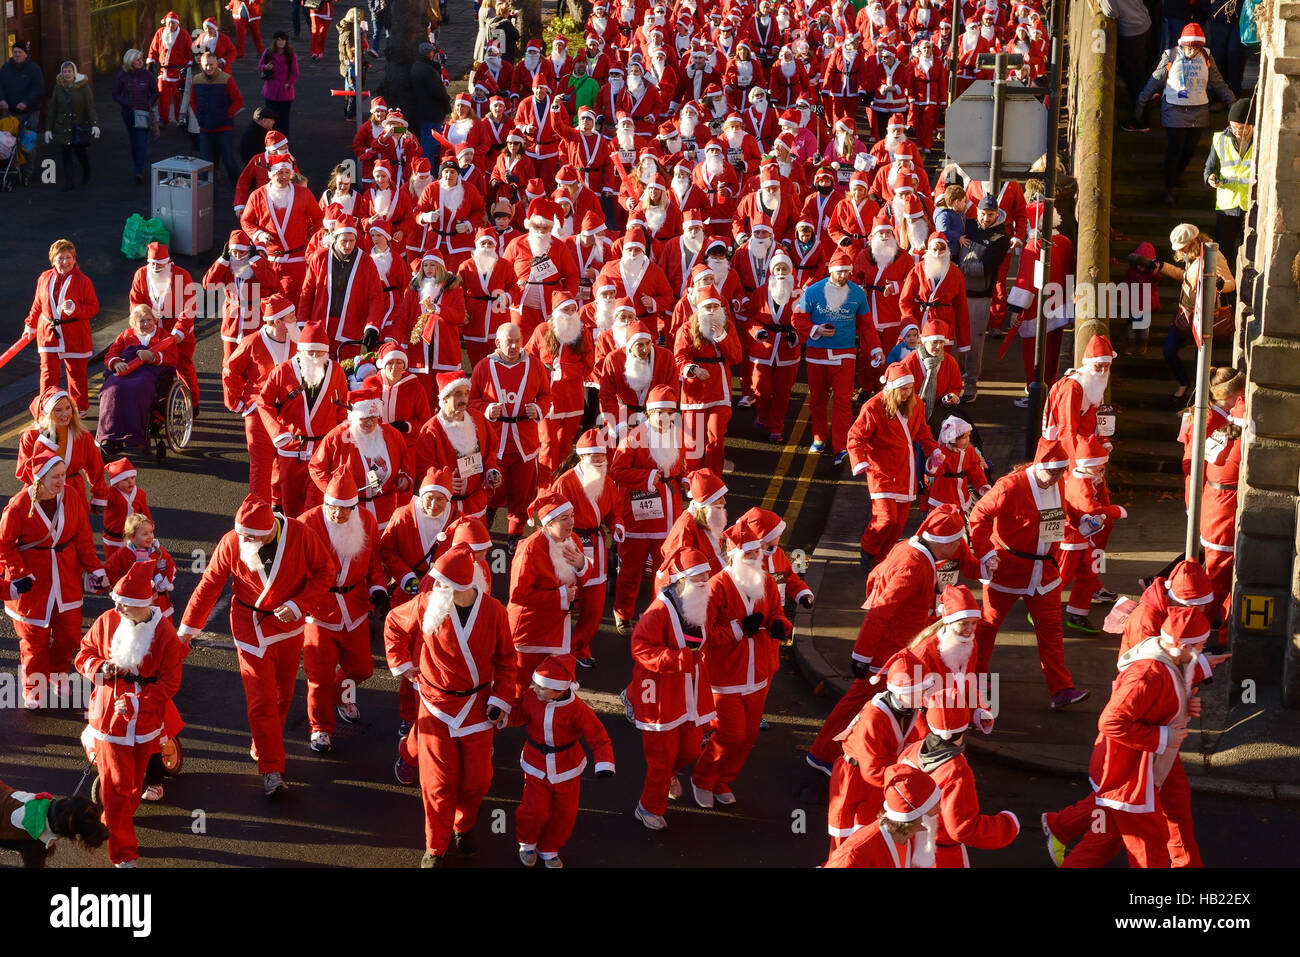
point(430, 319)
point(844, 81)
point(544, 585)
point(133, 657)
point(171, 52)
point(540, 265)
point(461, 439)
point(511, 171)
point(1090, 517)
point(464, 674)
point(281, 217)
point(935, 374)
point(928, 95)
point(391, 269)
point(279, 571)
point(59, 321)
point(744, 617)
point(773, 347)
point(301, 400)
point(169, 291)
point(759, 118)
point(257, 171)
point(537, 118)
point(1013, 529)
point(702, 525)
point(769, 204)
point(495, 74)
point(720, 186)
point(961, 479)
point(245, 279)
point(486, 279)
point(648, 467)
point(893, 719)
point(881, 272)
point(629, 376)
point(210, 39)
point(531, 65)
point(589, 252)
point(56, 425)
point(705, 349)
point(1223, 454)
point(374, 455)
point(462, 126)
point(510, 388)
point(363, 141)
point(46, 545)
point(980, 37)
point(935, 290)
point(1186, 584)
point(139, 545)
point(244, 375)
point(750, 264)
point(125, 498)
point(1072, 403)
point(450, 211)
point(831, 317)
point(393, 209)
point(819, 206)
point(344, 293)
point(903, 834)
point(404, 399)
point(850, 223)
point(336, 641)
point(888, 82)
point(555, 719)
point(639, 279)
point(940, 755)
point(788, 80)
point(138, 358)
point(807, 254)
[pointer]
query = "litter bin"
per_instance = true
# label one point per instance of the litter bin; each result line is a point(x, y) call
point(182, 199)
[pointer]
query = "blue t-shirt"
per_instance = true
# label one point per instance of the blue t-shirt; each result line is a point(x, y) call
point(844, 319)
point(899, 353)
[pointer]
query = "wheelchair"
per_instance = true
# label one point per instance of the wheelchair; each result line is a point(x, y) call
point(171, 419)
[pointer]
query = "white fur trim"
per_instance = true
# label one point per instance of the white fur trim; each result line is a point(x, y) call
point(453, 386)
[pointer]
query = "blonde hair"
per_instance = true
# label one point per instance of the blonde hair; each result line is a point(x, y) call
point(59, 246)
point(140, 311)
point(46, 425)
point(133, 523)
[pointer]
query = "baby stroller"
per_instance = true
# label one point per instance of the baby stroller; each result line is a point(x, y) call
point(16, 145)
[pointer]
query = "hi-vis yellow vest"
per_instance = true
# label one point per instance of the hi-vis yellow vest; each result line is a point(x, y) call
point(1235, 174)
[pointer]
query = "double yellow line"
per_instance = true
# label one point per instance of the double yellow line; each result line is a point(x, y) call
point(803, 481)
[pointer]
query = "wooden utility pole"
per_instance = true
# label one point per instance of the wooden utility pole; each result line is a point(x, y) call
point(408, 21)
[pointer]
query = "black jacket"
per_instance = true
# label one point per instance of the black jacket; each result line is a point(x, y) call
point(22, 84)
point(429, 100)
point(981, 258)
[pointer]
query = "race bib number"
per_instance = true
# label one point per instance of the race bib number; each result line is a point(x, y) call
point(1106, 421)
point(734, 156)
point(1051, 526)
point(588, 548)
point(470, 465)
point(627, 157)
point(843, 174)
point(541, 268)
point(950, 571)
point(647, 507)
point(1214, 448)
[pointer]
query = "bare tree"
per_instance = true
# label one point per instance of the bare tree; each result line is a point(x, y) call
point(408, 28)
point(530, 20)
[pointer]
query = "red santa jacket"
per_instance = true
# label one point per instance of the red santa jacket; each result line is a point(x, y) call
point(337, 451)
point(515, 388)
point(961, 477)
point(394, 209)
point(789, 585)
point(410, 545)
point(81, 455)
point(567, 368)
point(871, 847)
point(591, 519)
point(241, 307)
point(294, 423)
point(175, 308)
point(162, 347)
point(481, 291)
point(1219, 504)
point(120, 508)
point(450, 232)
point(437, 347)
point(118, 561)
point(399, 151)
point(541, 615)
point(651, 498)
point(874, 740)
point(888, 86)
point(588, 153)
point(688, 533)
point(393, 276)
point(146, 700)
point(476, 657)
point(670, 683)
point(536, 278)
point(947, 377)
point(651, 282)
point(1067, 415)
point(715, 357)
point(1089, 513)
point(559, 726)
point(283, 233)
point(881, 446)
point(739, 663)
point(52, 551)
point(363, 148)
point(945, 302)
point(172, 57)
point(772, 337)
point(406, 404)
point(348, 312)
point(852, 222)
point(884, 288)
point(358, 580)
point(590, 259)
point(839, 80)
point(617, 395)
point(298, 576)
point(434, 448)
point(1017, 518)
point(246, 372)
point(929, 87)
point(61, 312)
point(538, 125)
point(960, 820)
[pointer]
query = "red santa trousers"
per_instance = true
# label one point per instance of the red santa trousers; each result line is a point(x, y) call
point(825, 749)
point(121, 779)
point(292, 275)
point(320, 28)
point(666, 753)
point(998, 305)
point(455, 774)
point(546, 815)
point(706, 437)
point(1176, 802)
point(1046, 612)
point(839, 108)
point(48, 651)
point(408, 703)
point(169, 94)
point(836, 381)
point(185, 369)
point(1081, 819)
point(1081, 569)
point(477, 351)
point(888, 516)
point(1218, 565)
point(853, 802)
point(261, 458)
point(268, 687)
point(291, 485)
point(633, 554)
point(244, 27)
point(1143, 836)
point(735, 731)
point(922, 120)
point(591, 606)
point(329, 658)
point(516, 492)
point(771, 387)
point(526, 663)
point(52, 368)
point(1050, 364)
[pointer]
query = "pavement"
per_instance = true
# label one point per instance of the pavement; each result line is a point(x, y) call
point(1246, 749)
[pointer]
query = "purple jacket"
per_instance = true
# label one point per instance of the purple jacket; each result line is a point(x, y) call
point(284, 74)
point(134, 90)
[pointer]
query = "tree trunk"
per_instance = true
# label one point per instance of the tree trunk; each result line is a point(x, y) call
point(531, 21)
point(408, 28)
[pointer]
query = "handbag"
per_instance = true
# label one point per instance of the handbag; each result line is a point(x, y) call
point(143, 119)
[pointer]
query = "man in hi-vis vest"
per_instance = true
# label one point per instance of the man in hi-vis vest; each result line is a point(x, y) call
point(1230, 170)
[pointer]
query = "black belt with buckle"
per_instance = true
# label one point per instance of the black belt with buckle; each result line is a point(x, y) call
point(462, 694)
point(550, 748)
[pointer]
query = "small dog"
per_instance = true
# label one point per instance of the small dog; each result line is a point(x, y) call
point(75, 818)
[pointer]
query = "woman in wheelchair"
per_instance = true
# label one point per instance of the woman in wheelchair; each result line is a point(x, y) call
point(137, 361)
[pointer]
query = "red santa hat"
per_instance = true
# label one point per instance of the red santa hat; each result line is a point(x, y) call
point(593, 223)
point(937, 236)
point(933, 330)
point(390, 351)
point(910, 794)
point(395, 118)
point(158, 253)
point(275, 142)
point(239, 240)
point(378, 104)
point(1099, 350)
point(455, 567)
point(420, 166)
point(944, 524)
point(957, 603)
point(685, 563)
point(778, 258)
point(592, 442)
point(555, 673)
point(952, 428)
point(790, 118)
point(341, 492)
point(1088, 451)
point(786, 140)
point(366, 403)
point(843, 259)
point(896, 121)
point(119, 470)
point(708, 294)
point(379, 227)
point(1192, 35)
point(540, 82)
point(449, 382)
point(861, 178)
point(313, 334)
point(254, 517)
point(43, 459)
point(345, 224)
point(541, 211)
point(897, 376)
point(469, 532)
point(464, 98)
point(560, 298)
point(171, 18)
point(533, 44)
point(1051, 454)
point(906, 674)
point(331, 213)
point(1188, 584)
point(566, 175)
point(135, 588)
point(437, 480)
point(44, 402)
point(883, 223)
point(639, 330)
point(210, 22)
point(548, 506)
point(621, 305)
point(661, 396)
point(947, 714)
point(382, 164)
point(706, 487)
point(769, 525)
point(283, 161)
point(586, 112)
point(488, 234)
point(1185, 626)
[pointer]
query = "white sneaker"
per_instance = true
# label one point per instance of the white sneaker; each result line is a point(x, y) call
point(320, 741)
point(551, 863)
point(724, 797)
point(674, 788)
point(1022, 402)
point(745, 401)
point(703, 798)
point(273, 783)
point(654, 822)
point(127, 864)
point(528, 856)
point(153, 792)
point(349, 713)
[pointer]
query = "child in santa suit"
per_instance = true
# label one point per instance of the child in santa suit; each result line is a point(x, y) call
point(555, 718)
point(125, 498)
point(903, 834)
point(961, 478)
point(134, 658)
point(1091, 516)
point(139, 545)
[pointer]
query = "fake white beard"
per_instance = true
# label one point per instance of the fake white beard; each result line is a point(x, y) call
point(636, 371)
point(158, 282)
point(787, 69)
point(563, 570)
point(619, 330)
point(680, 186)
point(936, 267)
point(461, 434)
point(381, 201)
point(1022, 48)
point(748, 579)
point(348, 538)
point(1094, 385)
point(169, 36)
point(539, 243)
point(429, 289)
point(783, 21)
point(688, 123)
point(635, 85)
point(567, 328)
point(955, 657)
point(744, 71)
point(131, 642)
point(382, 260)
point(248, 555)
point(713, 163)
point(925, 62)
point(849, 57)
point(923, 844)
point(760, 248)
point(884, 250)
point(371, 446)
point(604, 315)
point(242, 268)
point(780, 288)
point(416, 185)
point(917, 231)
point(279, 195)
point(721, 268)
point(716, 516)
point(449, 197)
point(430, 525)
point(626, 138)
point(484, 260)
point(593, 481)
point(894, 139)
point(438, 608)
point(692, 243)
point(694, 600)
point(615, 85)
point(312, 368)
point(632, 266)
point(988, 33)
point(655, 217)
point(836, 296)
point(733, 137)
point(665, 448)
point(532, 59)
point(876, 15)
